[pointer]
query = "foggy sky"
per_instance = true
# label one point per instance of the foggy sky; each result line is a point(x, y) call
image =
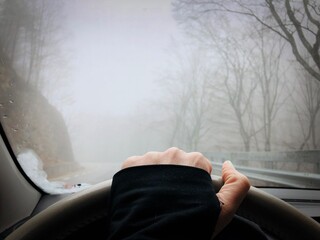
point(118, 51)
point(117, 48)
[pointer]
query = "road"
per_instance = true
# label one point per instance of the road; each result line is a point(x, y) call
point(91, 173)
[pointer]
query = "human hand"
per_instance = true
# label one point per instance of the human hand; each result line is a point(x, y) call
point(235, 187)
point(173, 156)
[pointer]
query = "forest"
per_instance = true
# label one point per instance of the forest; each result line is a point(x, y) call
point(258, 59)
point(246, 77)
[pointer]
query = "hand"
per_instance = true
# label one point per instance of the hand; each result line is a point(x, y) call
point(235, 187)
point(231, 194)
point(171, 156)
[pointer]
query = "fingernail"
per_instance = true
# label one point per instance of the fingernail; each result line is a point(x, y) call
point(230, 163)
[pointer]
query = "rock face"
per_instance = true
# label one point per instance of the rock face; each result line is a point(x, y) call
point(31, 122)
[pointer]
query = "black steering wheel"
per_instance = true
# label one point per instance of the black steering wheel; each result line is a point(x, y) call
point(84, 215)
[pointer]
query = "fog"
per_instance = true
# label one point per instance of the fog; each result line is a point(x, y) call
point(137, 76)
point(117, 50)
point(129, 67)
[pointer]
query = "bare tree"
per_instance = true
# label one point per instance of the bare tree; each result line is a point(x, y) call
point(187, 102)
point(236, 55)
point(30, 36)
point(271, 79)
point(44, 39)
point(13, 18)
point(307, 110)
point(295, 21)
point(239, 87)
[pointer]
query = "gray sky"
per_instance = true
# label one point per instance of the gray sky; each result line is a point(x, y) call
point(117, 50)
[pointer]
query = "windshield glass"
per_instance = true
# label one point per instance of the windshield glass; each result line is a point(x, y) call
point(86, 84)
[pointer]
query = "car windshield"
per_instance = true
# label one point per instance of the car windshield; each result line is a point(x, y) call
point(86, 84)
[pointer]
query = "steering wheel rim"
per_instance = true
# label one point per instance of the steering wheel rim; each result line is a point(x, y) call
point(275, 215)
point(78, 209)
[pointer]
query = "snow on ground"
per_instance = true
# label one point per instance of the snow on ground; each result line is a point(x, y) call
point(33, 167)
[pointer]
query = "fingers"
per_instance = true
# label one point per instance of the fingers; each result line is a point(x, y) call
point(235, 188)
point(198, 160)
point(171, 156)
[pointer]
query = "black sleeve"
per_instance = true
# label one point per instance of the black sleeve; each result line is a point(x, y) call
point(162, 202)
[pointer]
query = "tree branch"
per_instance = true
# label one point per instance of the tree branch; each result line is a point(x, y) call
point(292, 42)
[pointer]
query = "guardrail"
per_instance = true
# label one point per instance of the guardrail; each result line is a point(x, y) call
point(281, 178)
point(288, 169)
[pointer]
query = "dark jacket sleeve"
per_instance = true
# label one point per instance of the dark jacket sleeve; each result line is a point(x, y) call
point(162, 202)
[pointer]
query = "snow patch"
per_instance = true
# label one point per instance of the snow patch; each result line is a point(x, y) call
point(33, 167)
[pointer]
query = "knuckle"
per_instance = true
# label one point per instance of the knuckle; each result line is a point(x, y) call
point(197, 155)
point(130, 161)
point(244, 181)
point(173, 150)
point(196, 158)
point(233, 177)
point(240, 180)
point(199, 160)
point(151, 158)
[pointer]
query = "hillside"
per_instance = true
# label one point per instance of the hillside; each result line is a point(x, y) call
point(31, 122)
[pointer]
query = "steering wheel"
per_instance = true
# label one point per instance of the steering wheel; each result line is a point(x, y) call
point(84, 214)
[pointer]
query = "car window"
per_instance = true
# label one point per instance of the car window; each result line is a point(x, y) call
point(86, 84)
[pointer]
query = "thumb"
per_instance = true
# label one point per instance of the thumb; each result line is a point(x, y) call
point(235, 188)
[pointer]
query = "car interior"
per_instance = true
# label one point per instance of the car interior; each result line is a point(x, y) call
point(85, 214)
point(86, 84)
